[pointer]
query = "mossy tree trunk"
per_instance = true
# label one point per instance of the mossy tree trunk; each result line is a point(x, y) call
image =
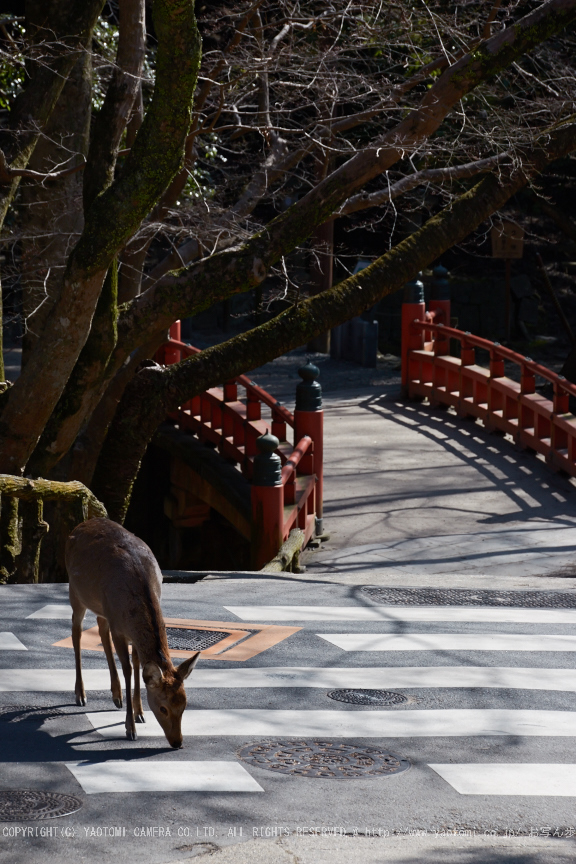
point(9, 537)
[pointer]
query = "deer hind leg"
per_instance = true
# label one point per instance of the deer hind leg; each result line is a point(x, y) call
point(137, 701)
point(78, 612)
point(115, 685)
point(124, 655)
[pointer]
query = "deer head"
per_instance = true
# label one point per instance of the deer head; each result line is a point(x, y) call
point(167, 697)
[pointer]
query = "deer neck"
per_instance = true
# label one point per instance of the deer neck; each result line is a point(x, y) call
point(149, 637)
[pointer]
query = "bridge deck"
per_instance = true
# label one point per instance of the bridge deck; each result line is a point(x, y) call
point(413, 490)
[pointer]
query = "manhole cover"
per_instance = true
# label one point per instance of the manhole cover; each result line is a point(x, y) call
point(368, 697)
point(30, 713)
point(24, 805)
point(471, 597)
point(184, 639)
point(336, 761)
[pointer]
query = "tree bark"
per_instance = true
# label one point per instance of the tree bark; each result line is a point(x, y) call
point(33, 530)
point(122, 90)
point(51, 490)
point(98, 347)
point(52, 222)
point(9, 537)
point(111, 220)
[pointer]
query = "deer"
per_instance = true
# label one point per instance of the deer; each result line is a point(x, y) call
point(115, 575)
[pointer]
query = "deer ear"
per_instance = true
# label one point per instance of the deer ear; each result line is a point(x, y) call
point(186, 667)
point(152, 675)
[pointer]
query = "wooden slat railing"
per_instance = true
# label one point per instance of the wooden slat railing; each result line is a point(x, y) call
point(545, 425)
point(286, 493)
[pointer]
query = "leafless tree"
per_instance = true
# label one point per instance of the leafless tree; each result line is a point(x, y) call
point(205, 167)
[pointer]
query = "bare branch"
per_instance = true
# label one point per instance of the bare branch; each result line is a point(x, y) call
point(7, 174)
point(428, 175)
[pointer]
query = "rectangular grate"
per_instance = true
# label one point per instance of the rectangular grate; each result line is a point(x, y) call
point(188, 639)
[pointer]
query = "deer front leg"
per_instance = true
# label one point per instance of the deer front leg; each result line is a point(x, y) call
point(137, 702)
point(115, 685)
point(124, 655)
point(78, 612)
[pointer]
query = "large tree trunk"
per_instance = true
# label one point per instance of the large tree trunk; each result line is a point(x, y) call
point(53, 221)
point(111, 220)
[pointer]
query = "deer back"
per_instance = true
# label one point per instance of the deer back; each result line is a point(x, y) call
point(114, 574)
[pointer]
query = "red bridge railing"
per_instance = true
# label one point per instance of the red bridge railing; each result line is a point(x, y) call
point(535, 421)
point(286, 476)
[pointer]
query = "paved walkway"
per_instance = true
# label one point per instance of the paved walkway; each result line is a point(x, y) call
point(413, 491)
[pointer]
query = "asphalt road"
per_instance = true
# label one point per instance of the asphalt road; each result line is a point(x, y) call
point(488, 726)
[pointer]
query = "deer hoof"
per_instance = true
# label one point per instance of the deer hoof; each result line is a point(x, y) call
point(117, 702)
point(131, 734)
point(81, 700)
point(140, 718)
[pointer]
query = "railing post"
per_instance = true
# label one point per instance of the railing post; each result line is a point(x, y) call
point(173, 355)
point(413, 308)
point(309, 420)
point(440, 303)
point(267, 502)
point(561, 398)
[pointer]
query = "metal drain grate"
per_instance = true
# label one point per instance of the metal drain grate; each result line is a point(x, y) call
point(24, 805)
point(471, 597)
point(326, 759)
point(30, 713)
point(367, 697)
point(184, 639)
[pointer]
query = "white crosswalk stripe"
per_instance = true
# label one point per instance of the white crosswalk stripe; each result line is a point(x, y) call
point(10, 642)
point(509, 778)
point(53, 611)
point(386, 678)
point(450, 642)
point(156, 776)
point(351, 724)
point(480, 614)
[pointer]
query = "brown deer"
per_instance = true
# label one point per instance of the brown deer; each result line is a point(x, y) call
point(116, 576)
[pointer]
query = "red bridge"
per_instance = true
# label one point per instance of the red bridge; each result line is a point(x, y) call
point(285, 476)
point(429, 370)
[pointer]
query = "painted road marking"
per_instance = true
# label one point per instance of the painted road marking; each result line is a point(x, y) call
point(63, 680)
point(54, 611)
point(510, 779)
point(449, 642)
point(154, 776)
point(51, 680)
point(10, 642)
point(482, 614)
point(352, 724)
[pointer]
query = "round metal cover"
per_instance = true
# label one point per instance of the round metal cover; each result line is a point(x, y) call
point(336, 761)
point(471, 597)
point(367, 697)
point(23, 805)
point(188, 639)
